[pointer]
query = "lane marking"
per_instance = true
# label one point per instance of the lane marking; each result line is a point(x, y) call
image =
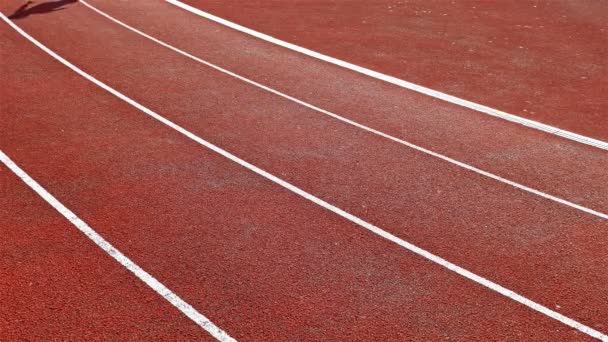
point(364, 224)
point(399, 82)
point(354, 123)
point(144, 276)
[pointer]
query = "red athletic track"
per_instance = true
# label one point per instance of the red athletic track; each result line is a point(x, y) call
point(543, 60)
point(261, 262)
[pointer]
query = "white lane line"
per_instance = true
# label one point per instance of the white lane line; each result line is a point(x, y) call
point(364, 224)
point(399, 82)
point(144, 276)
point(353, 123)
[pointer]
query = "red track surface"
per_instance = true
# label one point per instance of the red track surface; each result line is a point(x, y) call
point(544, 60)
point(259, 261)
point(57, 283)
point(543, 161)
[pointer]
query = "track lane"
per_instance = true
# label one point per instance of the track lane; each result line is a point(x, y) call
point(549, 164)
point(516, 261)
point(543, 60)
point(210, 227)
point(56, 283)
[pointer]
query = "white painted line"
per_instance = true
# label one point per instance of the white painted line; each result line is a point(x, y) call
point(356, 124)
point(144, 276)
point(399, 82)
point(364, 224)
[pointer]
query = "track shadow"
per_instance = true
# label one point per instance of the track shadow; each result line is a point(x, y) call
point(46, 7)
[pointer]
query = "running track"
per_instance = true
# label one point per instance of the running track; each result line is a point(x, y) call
point(313, 247)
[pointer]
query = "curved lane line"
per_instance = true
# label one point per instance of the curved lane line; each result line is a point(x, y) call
point(122, 259)
point(399, 82)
